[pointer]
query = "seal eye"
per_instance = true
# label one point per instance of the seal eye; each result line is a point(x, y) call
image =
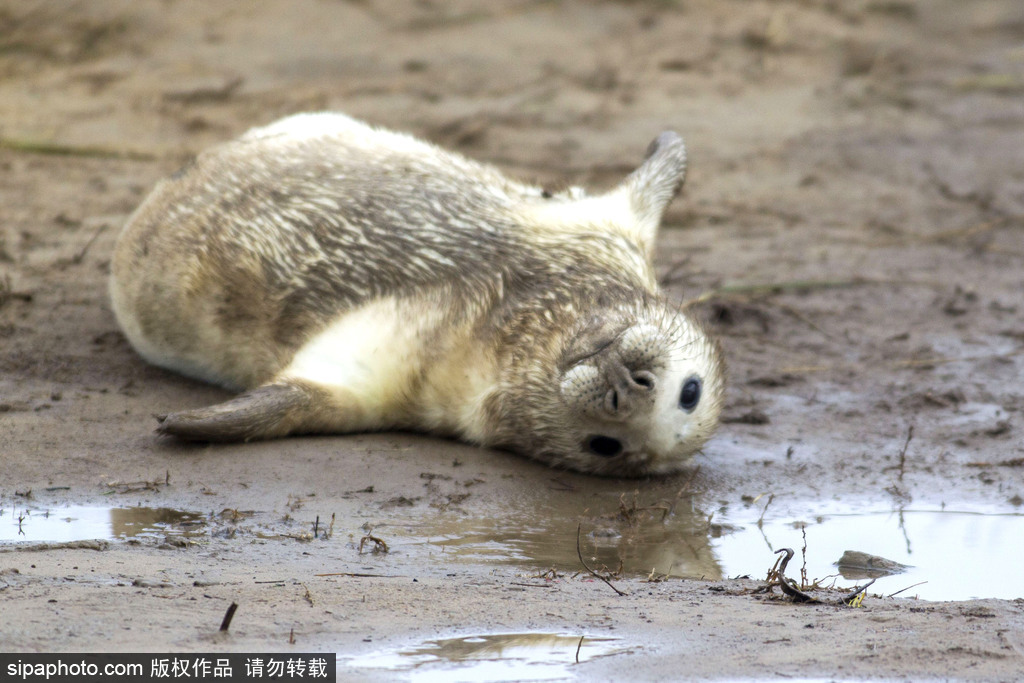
point(690, 396)
point(605, 446)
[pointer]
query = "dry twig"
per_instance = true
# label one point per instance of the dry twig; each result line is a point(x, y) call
point(379, 546)
point(66, 150)
point(851, 599)
point(579, 553)
point(228, 616)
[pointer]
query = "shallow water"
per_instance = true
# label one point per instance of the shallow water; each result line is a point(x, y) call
point(77, 523)
point(950, 554)
point(490, 657)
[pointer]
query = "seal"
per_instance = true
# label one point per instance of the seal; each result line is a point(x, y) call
point(347, 278)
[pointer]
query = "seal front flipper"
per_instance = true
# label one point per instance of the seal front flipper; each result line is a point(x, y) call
point(266, 412)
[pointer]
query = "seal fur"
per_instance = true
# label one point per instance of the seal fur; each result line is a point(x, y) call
point(347, 278)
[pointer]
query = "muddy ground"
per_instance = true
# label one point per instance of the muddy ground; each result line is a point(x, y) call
point(853, 225)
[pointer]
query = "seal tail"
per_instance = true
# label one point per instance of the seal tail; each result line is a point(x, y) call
point(266, 412)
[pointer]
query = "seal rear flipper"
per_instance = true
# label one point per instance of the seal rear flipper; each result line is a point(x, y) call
point(266, 412)
point(656, 182)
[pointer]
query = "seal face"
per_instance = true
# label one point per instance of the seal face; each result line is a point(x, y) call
point(347, 278)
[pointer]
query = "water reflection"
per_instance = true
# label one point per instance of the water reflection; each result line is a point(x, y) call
point(79, 523)
point(948, 555)
point(497, 657)
point(636, 537)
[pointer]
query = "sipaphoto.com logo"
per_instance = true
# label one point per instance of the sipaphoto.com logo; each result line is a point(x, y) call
point(63, 670)
point(221, 667)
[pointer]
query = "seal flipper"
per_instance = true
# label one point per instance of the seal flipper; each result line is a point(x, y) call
point(656, 182)
point(266, 412)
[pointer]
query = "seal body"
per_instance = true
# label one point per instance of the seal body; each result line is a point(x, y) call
point(347, 278)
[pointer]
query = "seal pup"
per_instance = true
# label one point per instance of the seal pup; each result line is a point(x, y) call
point(347, 278)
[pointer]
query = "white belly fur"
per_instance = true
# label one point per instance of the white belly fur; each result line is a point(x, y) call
point(383, 369)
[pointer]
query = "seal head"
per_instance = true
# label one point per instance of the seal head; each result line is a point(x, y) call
point(635, 392)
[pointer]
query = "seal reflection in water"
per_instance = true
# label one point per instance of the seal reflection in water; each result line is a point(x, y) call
point(347, 278)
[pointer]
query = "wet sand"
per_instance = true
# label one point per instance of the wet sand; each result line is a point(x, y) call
point(852, 228)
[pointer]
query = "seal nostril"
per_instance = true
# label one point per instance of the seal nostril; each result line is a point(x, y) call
point(605, 446)
point(644, 379)
point(611, 401)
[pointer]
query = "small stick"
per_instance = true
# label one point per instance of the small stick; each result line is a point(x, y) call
point(803, 554)
point(907, 588)
point(228, 616)
point(563, 486)
point(58, 149)
point(804, 319)
point(578, 646)
point(857, 591)
point(798, 286)
point(682, 489)
point(316, 526)
point(1012, 462)
point(77, 258)
point(587, 567)
point(774, 570)
point(903, 451)
point(760, 520)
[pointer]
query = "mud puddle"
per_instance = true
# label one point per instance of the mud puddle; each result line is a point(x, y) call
point(80, 523)
point(491, 657)
point(946, 554)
